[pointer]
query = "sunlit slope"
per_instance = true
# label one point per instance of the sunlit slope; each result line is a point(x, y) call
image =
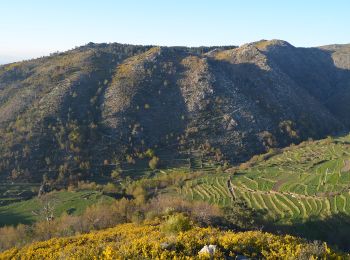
point(308, 180)
point(131, 241)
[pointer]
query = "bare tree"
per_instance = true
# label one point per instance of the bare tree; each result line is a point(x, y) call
point(47, 209)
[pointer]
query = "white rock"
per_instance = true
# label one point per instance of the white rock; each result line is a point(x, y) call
point(208, 250)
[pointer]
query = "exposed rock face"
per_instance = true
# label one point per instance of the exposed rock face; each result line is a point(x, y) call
point(99, 102)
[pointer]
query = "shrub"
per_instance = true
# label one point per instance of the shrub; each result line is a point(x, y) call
point(219, 169)
point(240, 216)
point(12, 236)
point(288, 127)
point(244, 166)
point(115, 174)
point(312, 249)
point(140, 194)
point(177, 223)
point(154, 163)
point(130, 159)
point(110, 188)
point(149, 153)
point(131, 241)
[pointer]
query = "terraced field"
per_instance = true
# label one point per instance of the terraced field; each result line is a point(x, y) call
point(169, 163)
point(210, 188)
point(304, 181)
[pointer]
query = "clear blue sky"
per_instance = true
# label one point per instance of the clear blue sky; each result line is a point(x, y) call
point(30, 28)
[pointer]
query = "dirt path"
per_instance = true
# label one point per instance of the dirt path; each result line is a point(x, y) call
point(230, 189)
point(277, 185)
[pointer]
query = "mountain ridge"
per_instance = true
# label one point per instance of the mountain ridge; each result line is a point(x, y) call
point(101, 102)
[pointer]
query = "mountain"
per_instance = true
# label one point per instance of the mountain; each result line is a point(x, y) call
point(78, 111)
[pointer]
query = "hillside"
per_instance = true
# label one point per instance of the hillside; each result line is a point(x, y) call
point(31, 210)
point(81, 113)
point(149, 241)
point(303, 189)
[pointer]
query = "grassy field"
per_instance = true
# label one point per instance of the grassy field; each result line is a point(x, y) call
point(19, 202)
point(302, 182)
point(26, 211)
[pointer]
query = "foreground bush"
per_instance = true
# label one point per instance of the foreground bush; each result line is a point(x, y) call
point(176, 223)
point(133, 241)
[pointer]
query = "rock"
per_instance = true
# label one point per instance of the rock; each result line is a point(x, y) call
point(210, 250)
point(167, 246)
point(164, 245)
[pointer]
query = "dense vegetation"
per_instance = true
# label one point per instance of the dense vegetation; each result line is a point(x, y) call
point(153, 241)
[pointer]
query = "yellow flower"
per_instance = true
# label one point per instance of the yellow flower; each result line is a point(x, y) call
point(107, 253)
point(132, 241)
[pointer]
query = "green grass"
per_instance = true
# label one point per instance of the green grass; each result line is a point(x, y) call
point(63, 202)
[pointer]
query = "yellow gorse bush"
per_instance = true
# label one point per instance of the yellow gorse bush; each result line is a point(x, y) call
point(148, 241)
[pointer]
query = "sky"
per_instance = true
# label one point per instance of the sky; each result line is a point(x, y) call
point(33, 28)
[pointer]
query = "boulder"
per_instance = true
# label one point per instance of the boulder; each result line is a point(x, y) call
point(208, 249)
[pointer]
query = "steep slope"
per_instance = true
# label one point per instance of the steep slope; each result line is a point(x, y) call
point(323, 72)
point(143, 104)
point(73, 113)
point(49, 107)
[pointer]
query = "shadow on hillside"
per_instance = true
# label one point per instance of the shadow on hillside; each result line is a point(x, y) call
point(11, 218)
point(280, 95)
point(327, 81)
point(271, 96)
point(156, 115)
point(334, 230)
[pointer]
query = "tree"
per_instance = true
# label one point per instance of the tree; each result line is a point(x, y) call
point(242, 217)
point(115, 175)
point(154, 163)
point(149, 153)
point(48, 205)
